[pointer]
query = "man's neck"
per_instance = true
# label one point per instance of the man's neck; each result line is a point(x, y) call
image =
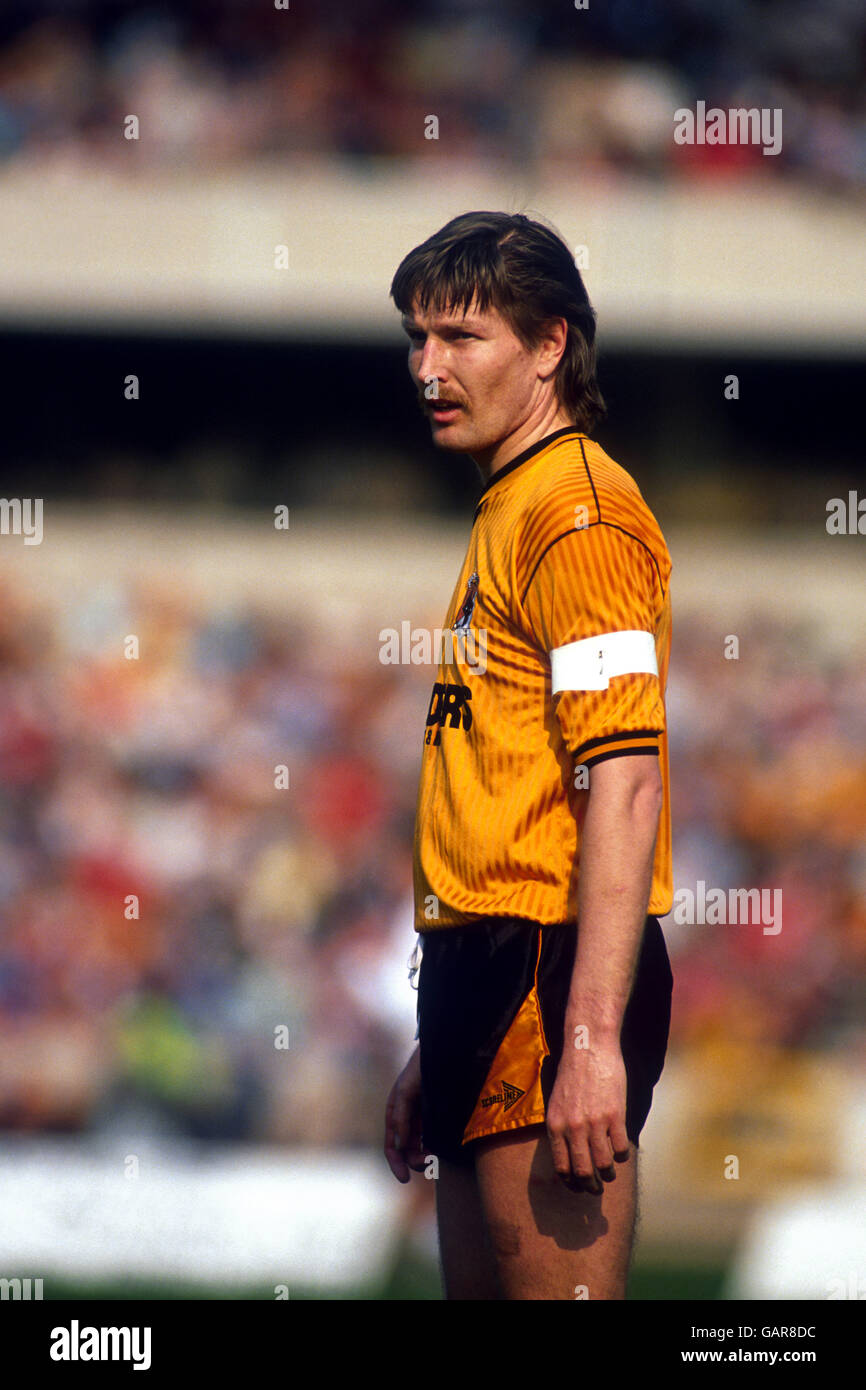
point(491, 460)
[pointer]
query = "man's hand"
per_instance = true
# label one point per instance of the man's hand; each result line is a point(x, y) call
point(403, 1147)
point(586, 1116)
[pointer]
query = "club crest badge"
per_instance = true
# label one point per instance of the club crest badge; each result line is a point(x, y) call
point(464, 616)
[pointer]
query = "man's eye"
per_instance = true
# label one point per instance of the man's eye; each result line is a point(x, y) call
point(417, 338)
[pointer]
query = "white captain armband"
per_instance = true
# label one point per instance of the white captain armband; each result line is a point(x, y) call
point(589, 664)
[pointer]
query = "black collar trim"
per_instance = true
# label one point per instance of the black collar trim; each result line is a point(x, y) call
point(525, 457)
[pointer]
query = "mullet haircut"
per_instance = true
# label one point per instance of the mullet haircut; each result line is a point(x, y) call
point(525, 271)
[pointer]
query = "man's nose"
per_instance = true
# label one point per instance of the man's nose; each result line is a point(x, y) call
point(430, 363)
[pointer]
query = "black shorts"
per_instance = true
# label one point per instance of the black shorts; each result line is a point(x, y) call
point(491, 1011)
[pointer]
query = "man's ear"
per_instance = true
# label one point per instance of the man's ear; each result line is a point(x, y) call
point(551, 346)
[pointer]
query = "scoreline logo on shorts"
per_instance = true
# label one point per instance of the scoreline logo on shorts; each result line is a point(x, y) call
point(735, 906)
point(77, 1343)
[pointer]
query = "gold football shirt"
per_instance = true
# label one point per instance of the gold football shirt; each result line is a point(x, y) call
point(556, 657)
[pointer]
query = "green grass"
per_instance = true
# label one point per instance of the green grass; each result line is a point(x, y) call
point(414, 1279)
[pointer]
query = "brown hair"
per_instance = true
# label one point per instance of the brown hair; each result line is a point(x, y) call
point(524, 270)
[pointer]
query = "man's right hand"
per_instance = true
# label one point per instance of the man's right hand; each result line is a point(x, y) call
point(403, 1146)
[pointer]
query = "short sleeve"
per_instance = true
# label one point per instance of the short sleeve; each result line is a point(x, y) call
point(594, 602)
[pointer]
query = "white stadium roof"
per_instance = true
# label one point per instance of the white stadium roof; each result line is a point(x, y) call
point(692, 265)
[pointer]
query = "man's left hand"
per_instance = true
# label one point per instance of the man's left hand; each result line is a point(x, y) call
point(586, 1116)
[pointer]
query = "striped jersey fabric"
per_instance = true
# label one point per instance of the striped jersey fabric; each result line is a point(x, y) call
point(554, 657)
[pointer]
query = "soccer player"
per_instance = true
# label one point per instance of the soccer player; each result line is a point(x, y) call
point(542, 843)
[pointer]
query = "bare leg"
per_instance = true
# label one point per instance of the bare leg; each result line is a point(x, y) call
point(547, 1242)
point(468, 1268)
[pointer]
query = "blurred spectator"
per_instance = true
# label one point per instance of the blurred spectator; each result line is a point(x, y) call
point(541, 84)
point(177, 932)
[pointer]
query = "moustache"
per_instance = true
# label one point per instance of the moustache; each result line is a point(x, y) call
point(427, 402)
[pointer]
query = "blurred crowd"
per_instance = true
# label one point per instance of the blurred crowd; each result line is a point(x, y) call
point(192, 934)
point(541, 85)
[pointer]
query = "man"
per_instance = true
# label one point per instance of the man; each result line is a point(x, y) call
point(542, 847)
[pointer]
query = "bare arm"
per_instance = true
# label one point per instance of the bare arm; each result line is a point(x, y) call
point(586, 1114)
